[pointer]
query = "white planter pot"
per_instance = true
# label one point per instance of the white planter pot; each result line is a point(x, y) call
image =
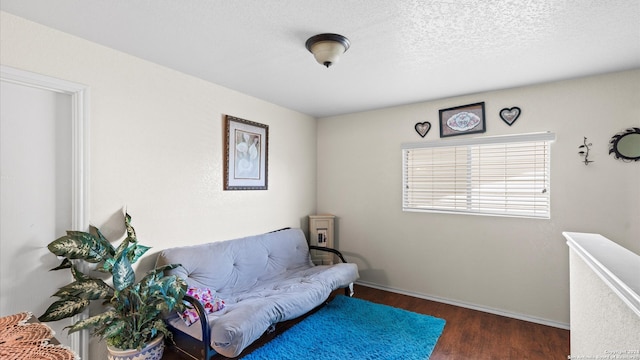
point(153, 351)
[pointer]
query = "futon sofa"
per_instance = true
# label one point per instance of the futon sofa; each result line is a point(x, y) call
point(258, 280)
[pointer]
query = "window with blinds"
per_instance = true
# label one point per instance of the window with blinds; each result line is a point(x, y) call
point(502, 176)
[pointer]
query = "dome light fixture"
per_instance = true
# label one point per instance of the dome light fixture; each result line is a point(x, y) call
point(327, 48)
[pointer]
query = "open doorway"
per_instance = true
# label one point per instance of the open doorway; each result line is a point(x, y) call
point(43, 188)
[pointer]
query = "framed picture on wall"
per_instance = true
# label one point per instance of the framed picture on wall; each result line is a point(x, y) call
point(245, 154)
point(462, 120)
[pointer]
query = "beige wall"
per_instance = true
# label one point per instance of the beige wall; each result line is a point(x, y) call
point(510, 265)
point(157, 144)
point(156, 148)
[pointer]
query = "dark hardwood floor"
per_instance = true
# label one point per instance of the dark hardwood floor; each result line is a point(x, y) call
point(468, 334)
point(476, 335)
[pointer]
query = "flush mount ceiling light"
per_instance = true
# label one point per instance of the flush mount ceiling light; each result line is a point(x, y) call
point(327, 48)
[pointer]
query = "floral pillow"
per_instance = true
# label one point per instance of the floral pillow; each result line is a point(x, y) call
point(209, 302)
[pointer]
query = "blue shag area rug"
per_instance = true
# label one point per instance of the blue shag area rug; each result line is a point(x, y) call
point(354, 329)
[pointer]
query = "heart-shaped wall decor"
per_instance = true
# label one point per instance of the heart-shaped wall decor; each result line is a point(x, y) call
point(423, 128)
point(510, 115)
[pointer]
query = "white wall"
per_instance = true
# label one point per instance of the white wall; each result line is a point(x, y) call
point(510, 265)
point(605, 311)
point(157, 144)
point(602, 325)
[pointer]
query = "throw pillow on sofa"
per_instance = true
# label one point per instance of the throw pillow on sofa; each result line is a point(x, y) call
point(210, 303)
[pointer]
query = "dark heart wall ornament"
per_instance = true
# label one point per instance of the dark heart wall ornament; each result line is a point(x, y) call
point(510, 115)
point(423, 128)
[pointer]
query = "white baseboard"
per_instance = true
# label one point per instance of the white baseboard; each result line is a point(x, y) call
point(528, 318)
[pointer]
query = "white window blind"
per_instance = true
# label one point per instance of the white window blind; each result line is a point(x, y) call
point(502, 175)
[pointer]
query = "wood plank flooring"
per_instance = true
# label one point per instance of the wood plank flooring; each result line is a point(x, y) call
point(476, 335)
point(468, 334)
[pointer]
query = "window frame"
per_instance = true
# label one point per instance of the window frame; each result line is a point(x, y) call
point(472, 194)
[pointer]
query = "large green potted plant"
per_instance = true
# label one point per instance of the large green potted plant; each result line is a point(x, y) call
point(132, 316)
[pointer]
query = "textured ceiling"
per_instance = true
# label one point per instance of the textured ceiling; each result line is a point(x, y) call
point(401, 51)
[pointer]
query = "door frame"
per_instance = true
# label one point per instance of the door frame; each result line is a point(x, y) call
point(79, 94)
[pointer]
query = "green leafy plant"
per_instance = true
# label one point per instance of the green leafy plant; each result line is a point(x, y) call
point(132, 311)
